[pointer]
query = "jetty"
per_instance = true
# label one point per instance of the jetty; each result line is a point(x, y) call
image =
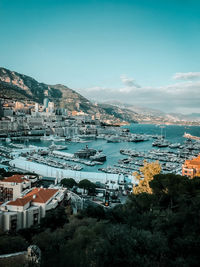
point(189, 136)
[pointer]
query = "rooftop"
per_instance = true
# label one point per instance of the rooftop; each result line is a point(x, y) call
point(38, 195)
point(20, 201)
point(42, 195)
point(17, 178)
point(194, 161)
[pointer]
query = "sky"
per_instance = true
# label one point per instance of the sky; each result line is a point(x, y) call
point(141, 52)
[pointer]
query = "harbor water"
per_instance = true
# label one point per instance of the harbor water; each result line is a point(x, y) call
point(172, 133)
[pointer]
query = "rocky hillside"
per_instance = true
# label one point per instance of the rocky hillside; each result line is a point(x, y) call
point(21, 87)
point(123, 114)
point(156, 113)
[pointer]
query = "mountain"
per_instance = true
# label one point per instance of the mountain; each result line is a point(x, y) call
point(138, 109)
point(18, 86)
point(156, 113)
point(22, 87)
point(123, 114)
point(187, 117)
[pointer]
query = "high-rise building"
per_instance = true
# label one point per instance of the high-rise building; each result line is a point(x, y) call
point(36, 107)
point(45, 103)
point(50, 107)
point(1, 110)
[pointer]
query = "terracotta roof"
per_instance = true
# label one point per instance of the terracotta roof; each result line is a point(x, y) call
point(17, 178)
point(194, 161)
point(38, 195)
point(20, 201)
point(42, 195)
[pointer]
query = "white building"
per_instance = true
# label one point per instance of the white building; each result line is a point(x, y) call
point(45, 103)
point(36, 107)
point(12, 187)
point(50, 107)
point(28, 209)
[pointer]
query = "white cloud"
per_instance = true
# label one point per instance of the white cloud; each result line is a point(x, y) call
point(180, 96)
point(186, 76)
point(128, 81)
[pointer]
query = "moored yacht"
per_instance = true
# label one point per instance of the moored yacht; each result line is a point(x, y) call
point(175, 145)
point(113, 139)
point(53, 146)
point(161, 143)
point(99, 156)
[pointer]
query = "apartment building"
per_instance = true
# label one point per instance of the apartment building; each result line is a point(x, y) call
point(13, 186)
point(28, 209)
point(191, 168)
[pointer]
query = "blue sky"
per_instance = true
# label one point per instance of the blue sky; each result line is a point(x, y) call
point(95, 43)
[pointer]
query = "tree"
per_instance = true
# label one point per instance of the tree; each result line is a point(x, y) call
point(87, 185)
point(68, 182)
point(147, 173)
point(54, 219)
point(94, 212)
point(2, 173)
point(12, 244)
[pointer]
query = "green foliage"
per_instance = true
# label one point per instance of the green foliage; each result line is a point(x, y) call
point(94, 212)
point(87, 185)
point(68, 182)
point(54, 219)
point(2, 173)
point(160, 228)
point(12, 244)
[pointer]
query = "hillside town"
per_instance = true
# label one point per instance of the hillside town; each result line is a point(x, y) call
point(23, 203)
point(29, 118)
point(99, 133)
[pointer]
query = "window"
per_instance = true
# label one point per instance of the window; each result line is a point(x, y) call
point(13, 223)
point(35, 218)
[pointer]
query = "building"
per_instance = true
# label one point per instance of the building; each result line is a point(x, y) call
point(28, 209)
point(191, 168)
point(12, 187)
point(19, 106)
point(51, 107)
point(36, 122)
point(45, 103)
point(8, 125)
point(8, 112)
point(1, 110)
point(36, 107)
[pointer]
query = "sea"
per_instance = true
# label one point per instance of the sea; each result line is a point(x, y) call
point(172, 133)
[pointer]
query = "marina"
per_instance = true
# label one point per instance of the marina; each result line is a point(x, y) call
point(105, 155)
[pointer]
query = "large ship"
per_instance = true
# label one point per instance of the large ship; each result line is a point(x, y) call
point(85, 153)
point(189, 136)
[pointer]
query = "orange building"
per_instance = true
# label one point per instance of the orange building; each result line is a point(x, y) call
point(191, 168)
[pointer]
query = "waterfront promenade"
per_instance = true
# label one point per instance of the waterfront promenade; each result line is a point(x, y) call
point(59, 174)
